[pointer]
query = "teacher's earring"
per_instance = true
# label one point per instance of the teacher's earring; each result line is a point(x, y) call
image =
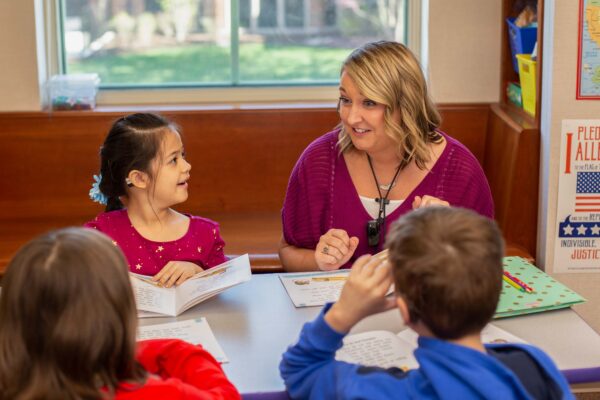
point(128, 182)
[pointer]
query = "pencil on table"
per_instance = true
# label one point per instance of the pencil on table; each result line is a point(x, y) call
point(519, 282)
point(512, 283)
point(328, 278)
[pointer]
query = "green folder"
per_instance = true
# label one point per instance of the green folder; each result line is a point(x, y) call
point(549, 294)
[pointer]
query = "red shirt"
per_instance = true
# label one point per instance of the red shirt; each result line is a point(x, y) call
point(178, 370)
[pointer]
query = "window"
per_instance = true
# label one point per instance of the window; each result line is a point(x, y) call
point(220, 43)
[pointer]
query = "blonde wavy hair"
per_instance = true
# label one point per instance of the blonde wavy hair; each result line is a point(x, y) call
point(389, 74)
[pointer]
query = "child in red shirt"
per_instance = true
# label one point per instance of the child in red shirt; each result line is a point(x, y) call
point(68, 326)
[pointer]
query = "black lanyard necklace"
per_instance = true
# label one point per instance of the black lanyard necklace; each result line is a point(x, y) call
point(376, 226)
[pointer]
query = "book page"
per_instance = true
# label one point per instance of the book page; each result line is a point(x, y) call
point(492, 334)
point(489, 334)
point(200, 299)
point(172, 301)
point(149, 297)
point(149, 314)
point(385, 349)
point(212, 281)
point(377, 349)
point(314, 288)
point(309, 289)
point(195, 331)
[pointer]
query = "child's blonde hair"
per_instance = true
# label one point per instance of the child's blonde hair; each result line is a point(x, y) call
point(67, 319)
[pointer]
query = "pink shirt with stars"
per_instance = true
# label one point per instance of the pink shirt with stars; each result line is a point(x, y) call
point(202, 243)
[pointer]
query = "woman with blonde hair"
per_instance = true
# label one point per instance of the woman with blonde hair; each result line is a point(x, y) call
point(385, 158)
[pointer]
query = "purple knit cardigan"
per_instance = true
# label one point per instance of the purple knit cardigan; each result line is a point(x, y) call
point(321, 195)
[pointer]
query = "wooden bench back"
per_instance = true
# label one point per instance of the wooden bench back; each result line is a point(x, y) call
point(241, 160)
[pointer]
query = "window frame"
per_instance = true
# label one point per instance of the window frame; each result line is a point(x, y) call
point(237, 93)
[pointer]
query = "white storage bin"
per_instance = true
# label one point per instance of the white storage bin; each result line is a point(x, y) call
point(73, 92)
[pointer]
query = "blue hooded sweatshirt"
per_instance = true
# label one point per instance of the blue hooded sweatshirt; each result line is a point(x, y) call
point(446, 371)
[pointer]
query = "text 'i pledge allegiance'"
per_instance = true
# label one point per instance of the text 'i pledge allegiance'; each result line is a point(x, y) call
point(588, 145)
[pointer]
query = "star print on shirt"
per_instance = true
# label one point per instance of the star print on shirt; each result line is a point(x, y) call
point(198, 245)
point(595, 230)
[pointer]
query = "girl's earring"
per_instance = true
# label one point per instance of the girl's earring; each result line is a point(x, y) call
point(128, 182)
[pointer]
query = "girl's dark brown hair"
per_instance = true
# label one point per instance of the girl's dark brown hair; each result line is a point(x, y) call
point(67, 319)
point(131, 144)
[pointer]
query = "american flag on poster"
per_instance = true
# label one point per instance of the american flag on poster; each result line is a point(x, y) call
point(587, 192)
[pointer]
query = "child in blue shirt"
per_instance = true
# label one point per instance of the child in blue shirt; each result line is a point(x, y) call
point(446, 264)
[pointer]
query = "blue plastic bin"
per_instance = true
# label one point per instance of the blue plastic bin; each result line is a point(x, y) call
point(521, 40)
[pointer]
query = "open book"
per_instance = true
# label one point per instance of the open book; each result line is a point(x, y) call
point(151, 298)
point(195, 331)
point(308, 289)
point(386, 349)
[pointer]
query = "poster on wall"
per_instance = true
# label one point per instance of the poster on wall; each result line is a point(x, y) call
point(577, 246)
point(588, 60)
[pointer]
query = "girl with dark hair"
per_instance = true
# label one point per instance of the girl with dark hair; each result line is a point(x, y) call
point(68, 325)
point(144, 173)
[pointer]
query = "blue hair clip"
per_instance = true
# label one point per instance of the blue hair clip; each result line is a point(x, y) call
point(95, 193)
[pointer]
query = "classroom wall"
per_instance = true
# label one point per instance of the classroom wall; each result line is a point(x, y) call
point(562, 76)
point(19, 78)
point(464, 43)
point(464, 50)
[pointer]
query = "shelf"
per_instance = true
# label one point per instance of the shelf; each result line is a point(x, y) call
point(520, 116)
point(508, 74)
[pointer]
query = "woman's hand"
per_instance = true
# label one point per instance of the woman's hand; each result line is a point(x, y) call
point(176, 272)
point(363, 294)
point(334, 249)
point(427, 201)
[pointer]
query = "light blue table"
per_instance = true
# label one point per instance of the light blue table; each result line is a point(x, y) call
point(256, 321)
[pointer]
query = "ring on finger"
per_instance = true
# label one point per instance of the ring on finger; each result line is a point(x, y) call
point(326, 250)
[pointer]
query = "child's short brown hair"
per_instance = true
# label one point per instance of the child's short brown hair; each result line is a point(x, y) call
point(447, 265)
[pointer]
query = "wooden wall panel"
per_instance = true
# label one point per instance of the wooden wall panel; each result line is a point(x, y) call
point(468, 124)
point(241, 159)
point(511, 164)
